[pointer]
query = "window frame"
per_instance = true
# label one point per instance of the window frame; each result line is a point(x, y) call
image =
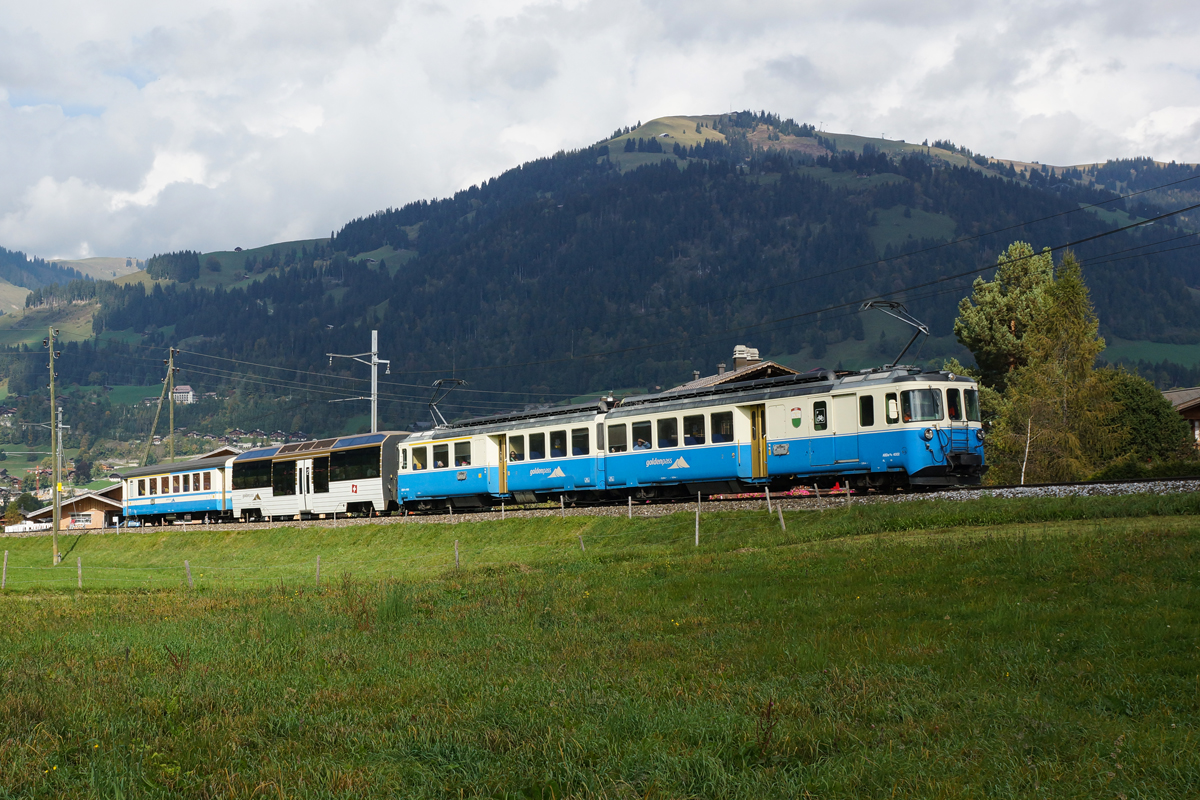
point(141, 487)
point(644, 425)
point(954, 412)
point(613, 430)
point(906, 398)
point(558, 452)
point(516, 447)
point(462, 454)
point(696, 441)
point(540, 436)
point(443, 450)
point(420, 462)
point(671, 424)
point(893, 399)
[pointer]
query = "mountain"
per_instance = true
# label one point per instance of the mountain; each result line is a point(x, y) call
point(629, 264)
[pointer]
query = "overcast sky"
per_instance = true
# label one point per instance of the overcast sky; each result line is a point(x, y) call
point(132, 127)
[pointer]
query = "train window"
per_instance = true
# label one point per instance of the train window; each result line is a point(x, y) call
point(154, 486)
point(195, 481)
point(668, 432)
point(283, 478)
point(207, 481)
point(921, 405)
point(516, 448)
point(617, 442)
point(441, 455)
point(558, 444)
point(164, 485)
point(971, 401)
point(187, 482)
point(693, 430)
point(892, 408)
point(866, 411)
point(641, 435)
point(419, 456)
point(953, 406)
point(537, 445)
point(820, 418)
point(320, 474)
point(142, 488)
point(579, 442)
point(359, 464)
point(255, 475)
point(462, 454)
point(175, 484)
point(722, 427)
point(403, 458)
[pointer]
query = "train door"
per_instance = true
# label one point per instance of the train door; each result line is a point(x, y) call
point(304, 487)
point(845, 427)
point(502, 472)
point(758, 440)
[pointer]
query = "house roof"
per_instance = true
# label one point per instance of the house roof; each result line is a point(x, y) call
point(183, 387)
point(1183, 399)
point(750, 372)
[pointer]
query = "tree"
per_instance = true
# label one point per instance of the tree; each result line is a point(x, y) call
point(12, 514)
point(993, 322)
point(1149, 427)
point(1055, 418)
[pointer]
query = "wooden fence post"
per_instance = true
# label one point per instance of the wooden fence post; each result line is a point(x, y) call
point(630, 499)
point(562, 507)
point(4, 576)
point(768, 499)
point(581, 547)
point(318, 572)
point(501, 509)
point(782, 524)
point(456, 554)
point(79, 571)
point(697, 519)
point(188, 569)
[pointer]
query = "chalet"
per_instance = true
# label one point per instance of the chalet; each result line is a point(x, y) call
point(1187, 403)
point(747, 366)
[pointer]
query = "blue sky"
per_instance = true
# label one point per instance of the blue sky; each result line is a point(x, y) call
point(135, 127)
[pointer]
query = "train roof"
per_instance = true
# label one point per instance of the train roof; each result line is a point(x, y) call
point(169, 468)
point(321, 445)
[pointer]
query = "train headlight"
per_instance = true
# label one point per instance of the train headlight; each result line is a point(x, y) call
point(928, 434)
point(979, 434)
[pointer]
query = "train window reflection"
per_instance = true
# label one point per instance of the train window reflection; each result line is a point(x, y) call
point(617, 443)
point(579, 442)
point(693, 430)
point(441, 455)
point(921, 405)
point(668, 432)
point(516, 448)
point(558, 444)
point(462, 454)
point(722, 427)
point(537, 445)
point(419, 455)
point(971, 400)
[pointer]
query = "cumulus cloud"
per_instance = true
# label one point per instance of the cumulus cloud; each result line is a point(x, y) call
point(133, 127)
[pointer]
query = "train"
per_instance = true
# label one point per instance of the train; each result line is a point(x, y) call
point(882, 430)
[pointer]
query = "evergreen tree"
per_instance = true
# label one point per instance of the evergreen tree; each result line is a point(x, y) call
point(992, 323)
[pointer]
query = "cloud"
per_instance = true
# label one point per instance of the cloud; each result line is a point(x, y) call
point(135, 127)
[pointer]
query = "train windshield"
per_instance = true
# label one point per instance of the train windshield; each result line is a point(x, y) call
point(971, 401)
point(921, 405)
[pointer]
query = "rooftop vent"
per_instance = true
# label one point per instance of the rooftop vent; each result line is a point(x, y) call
point(744, 356)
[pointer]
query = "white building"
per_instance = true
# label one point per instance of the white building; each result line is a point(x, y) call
point(184, 395)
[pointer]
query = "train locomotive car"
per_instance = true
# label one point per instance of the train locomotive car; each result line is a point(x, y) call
point(350, 475)
point(882, 429)
point(183, 491)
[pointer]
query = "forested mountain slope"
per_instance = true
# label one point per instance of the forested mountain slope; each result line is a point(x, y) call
point(748, 229)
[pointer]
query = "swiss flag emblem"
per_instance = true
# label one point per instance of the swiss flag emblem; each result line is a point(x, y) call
point(354, 488)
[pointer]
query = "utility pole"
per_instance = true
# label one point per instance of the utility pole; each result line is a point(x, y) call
point(374, 365)
point(55, 438)
point(171, 370)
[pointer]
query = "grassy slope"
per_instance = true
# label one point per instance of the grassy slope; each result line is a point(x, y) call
point(104, 268)
point(1052, 659)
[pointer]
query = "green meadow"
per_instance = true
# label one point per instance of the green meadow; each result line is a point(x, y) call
point(1031, 648)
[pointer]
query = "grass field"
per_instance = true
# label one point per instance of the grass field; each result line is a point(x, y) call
point(930, 649)
point(892, 227)
point(1134, 351)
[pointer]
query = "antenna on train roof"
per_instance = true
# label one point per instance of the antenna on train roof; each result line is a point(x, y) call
point(445, 386)
point(898, 311)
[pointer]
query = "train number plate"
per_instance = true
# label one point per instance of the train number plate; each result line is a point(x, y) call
point(779, 450)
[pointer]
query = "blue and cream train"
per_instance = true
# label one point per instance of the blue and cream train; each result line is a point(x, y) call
point(883, 429)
